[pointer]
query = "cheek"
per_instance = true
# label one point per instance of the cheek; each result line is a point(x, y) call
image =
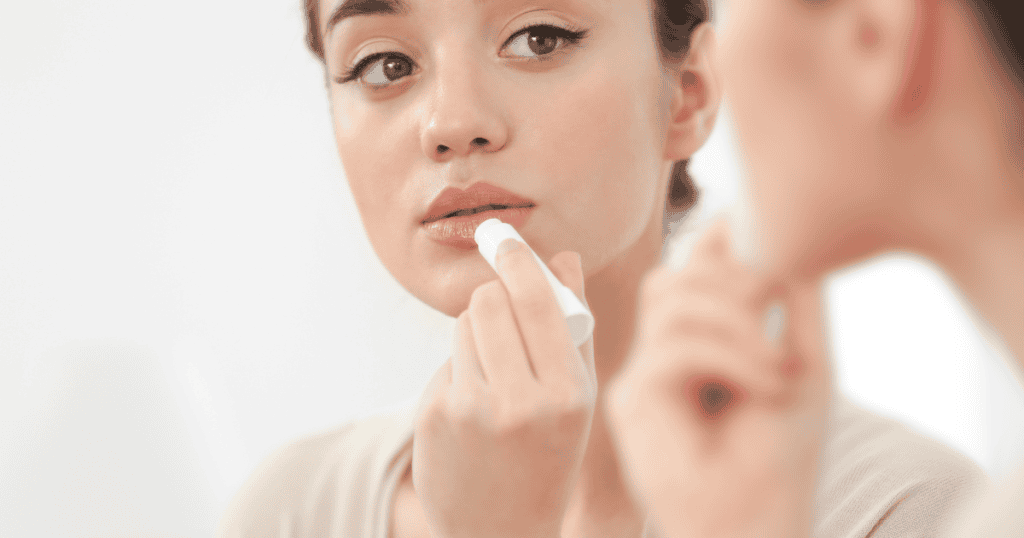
point(377, 158)
point(598, 140)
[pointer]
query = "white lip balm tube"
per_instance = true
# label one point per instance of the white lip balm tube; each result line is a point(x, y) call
point(492, 232)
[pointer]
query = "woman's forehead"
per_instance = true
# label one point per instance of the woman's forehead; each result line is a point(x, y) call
point(334, 12)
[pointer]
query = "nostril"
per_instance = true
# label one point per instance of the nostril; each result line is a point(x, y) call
point(480, 141)
point(441, 148)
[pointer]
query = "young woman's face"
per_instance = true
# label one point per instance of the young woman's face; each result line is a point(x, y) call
point(549, 114)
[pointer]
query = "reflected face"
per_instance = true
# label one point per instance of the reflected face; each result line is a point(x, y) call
point(809, 151)
point(549, 114)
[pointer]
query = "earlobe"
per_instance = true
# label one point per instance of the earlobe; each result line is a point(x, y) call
point(696, 95)
point(877, 52)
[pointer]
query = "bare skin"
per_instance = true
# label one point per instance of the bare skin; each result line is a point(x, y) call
point(893, 127)
point(459, 99)
point(601, 503)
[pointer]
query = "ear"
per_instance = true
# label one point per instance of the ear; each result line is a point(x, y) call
point(884, 51)
point(696, 94)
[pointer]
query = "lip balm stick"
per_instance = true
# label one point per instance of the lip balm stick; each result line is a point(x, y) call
point(492, 232)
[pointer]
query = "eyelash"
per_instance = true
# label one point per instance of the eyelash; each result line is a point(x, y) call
point(356, 71)
point(570, 35)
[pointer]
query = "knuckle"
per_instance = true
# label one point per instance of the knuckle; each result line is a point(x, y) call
point(572, 400)
point(577, 407)
point(432, 412)
point(461, 408)
point(512, 419)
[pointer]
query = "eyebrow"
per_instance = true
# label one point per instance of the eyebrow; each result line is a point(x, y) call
point(353, 8)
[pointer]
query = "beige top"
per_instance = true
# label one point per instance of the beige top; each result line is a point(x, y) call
point(879, 479)
point(999, 513)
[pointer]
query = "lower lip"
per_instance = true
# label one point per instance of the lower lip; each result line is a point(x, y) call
point(458, 231)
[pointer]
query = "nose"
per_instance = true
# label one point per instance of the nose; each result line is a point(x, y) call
point(461, 118)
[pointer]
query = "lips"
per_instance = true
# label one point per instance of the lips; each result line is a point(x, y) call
point(455, 214)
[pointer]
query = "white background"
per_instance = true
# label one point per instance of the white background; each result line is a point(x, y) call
point(185, 284)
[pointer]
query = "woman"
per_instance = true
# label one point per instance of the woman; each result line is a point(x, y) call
point(894, 125)
point(569, 120)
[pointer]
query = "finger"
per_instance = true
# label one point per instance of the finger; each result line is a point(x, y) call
point(440, 381)
point(436, 389)
point(568, 269)
point(732, 308)
point(715, 242)
point(756, 295)
point(540, 319)
point(675, 361)
point(752, 288)
point(703, 314)
point(498, 341)
point(804, 351)
point(465, 367)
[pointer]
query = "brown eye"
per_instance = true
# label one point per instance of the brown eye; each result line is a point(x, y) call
point(396, 68)
point(386, 70)
point(542, 44)
point(379, 69)
point(538, 41)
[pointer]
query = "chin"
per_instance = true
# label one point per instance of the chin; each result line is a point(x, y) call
point(451, 296)
point(828, 253)
point(451, 306)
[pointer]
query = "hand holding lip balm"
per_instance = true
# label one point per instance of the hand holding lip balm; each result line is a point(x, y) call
point(492, 232)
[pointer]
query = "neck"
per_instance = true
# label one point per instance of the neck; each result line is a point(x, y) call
point(976, 227)
point(988, 266)
point(601, 504)
point(970, 211)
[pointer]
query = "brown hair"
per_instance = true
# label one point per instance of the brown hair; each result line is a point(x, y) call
point(674, 22)
point(1004, 23)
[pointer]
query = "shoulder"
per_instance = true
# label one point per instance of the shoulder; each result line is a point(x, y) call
point(995, 514)
point(327, 484)
point(880, 478)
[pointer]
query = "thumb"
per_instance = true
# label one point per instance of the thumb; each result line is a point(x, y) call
point(804, 346)
point(568, 269)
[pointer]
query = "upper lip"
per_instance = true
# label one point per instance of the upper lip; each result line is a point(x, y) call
point(477, 195)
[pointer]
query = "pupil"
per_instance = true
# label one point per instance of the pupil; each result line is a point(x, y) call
point(542, 44)
point(396, 68)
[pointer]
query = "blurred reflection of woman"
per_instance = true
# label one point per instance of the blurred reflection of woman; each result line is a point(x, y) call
point(893, 125)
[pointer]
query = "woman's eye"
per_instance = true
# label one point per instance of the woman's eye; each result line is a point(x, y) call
point(379, 69)
point(538, 41)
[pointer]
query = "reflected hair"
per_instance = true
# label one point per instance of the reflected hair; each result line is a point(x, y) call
point(674, 22)
point(1004, 23)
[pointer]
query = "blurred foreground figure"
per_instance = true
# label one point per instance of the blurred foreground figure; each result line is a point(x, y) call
point(869, 126)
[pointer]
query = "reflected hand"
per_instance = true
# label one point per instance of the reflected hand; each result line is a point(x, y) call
point(720, 430)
